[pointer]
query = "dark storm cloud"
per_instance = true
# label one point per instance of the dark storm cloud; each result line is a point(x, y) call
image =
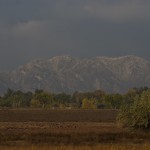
point(43, 28)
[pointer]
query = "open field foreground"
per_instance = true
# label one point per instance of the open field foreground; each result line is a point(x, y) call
point(57, 115)
point(99, 147)
point(77, 129)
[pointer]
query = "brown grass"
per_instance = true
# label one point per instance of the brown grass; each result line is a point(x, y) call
point(98, 147)
point(23, 129)
point(40, 115)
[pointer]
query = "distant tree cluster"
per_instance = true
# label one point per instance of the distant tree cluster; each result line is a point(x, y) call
point(81, 100)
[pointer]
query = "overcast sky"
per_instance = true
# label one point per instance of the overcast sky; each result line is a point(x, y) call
point(32, 29)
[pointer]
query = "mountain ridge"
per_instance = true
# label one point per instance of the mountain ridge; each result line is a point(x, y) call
point(68, 74)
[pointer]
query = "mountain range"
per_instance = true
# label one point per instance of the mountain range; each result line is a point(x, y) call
point(69, 74)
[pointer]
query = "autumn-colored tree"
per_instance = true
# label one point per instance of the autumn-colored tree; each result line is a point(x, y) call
point(88, 103)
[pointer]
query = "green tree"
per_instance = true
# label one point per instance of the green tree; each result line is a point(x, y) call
point(129, 96)
point(6, 102)
point(117, 101)
point(42, 99)
point(62, 98)
point(77, 98)
point(9, 93)
point(137, 115)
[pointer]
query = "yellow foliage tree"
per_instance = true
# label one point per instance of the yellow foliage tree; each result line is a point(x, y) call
point(88, 103)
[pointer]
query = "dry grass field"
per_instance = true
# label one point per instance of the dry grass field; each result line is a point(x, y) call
point(58, 115)
point(33, 129)
point(97, 147)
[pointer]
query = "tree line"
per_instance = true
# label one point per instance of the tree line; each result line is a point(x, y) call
point(97, 99)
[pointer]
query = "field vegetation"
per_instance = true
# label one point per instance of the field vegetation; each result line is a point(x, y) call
point(63, 131)
point(83, 121)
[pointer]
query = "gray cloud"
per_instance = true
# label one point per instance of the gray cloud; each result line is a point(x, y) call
point(43, 28)
point(120, 11)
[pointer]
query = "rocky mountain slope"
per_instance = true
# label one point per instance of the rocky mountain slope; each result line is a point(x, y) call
point(68, 74)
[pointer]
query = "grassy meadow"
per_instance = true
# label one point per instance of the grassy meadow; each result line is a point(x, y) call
point(37, 129)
